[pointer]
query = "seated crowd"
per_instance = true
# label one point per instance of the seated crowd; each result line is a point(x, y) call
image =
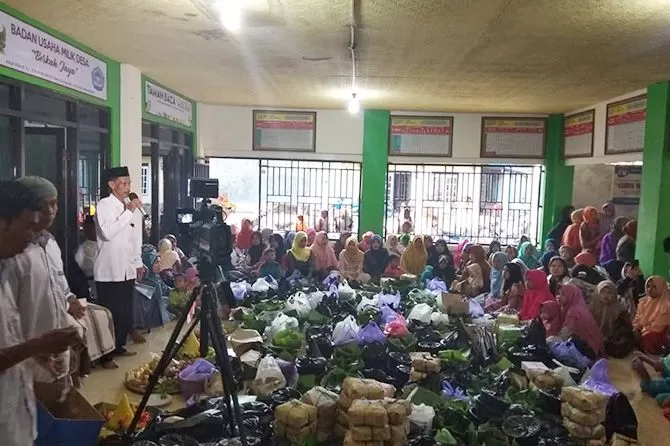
point(584, 285)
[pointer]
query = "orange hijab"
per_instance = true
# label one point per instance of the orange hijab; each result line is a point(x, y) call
point(653, 311)
point(571, 234)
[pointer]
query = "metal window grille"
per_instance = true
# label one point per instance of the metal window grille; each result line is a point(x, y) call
point(145, 179)
point(457, 202)
point(290, 188)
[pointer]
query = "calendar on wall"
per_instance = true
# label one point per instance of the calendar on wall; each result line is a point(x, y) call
point(578, 135)
point(513, 137)
point(421, 135)
point(624, 132)
point(291, 131)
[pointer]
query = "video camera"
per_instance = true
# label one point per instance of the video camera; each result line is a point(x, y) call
point(210, 239)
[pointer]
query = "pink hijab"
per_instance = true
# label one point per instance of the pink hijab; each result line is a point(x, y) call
point(459, 252)
point(323, 253)
point(537, 292)
point(311, 236)
point(578, 318)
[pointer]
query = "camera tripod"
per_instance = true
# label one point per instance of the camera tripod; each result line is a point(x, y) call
point(210, 326)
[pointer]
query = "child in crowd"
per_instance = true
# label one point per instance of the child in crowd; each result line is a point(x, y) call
point(393, 268)
point(559, 274)
point(511, 252)
point(269, 265)
point(179, 295)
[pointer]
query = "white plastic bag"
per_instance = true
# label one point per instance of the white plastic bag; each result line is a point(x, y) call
point(368, 302)
point(344, 291)
point(298, 302)
point(268, 376)
point(264, 284)
point(239, 289)
point(345, 331)
point(315, 298)
point(439, 319)
point(421, 312)
point(282, 322)
point(422, 417)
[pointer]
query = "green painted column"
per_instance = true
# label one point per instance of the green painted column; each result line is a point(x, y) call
point(558, 179)
point(373, 171)
point(654, 213)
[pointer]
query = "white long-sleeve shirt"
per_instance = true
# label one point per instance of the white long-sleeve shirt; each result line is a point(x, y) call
point(119, 233)
point(18, 425)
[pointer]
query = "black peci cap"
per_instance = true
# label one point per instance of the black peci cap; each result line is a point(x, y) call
point(116, 172)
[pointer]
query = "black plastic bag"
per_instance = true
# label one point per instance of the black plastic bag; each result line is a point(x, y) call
point(308, 365)
point(201, 427)
point(375, 356)
point(620, 417)
point(535, 335)
point(177, 440)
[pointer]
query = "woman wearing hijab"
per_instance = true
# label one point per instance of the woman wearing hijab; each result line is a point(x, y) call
point(559, 274)
point(277, 243)
point(528, 254)
point(652, 319)
point(175, 247)
point(365, 241)
point(494, 247)
point(568, 255)
point(631, 287)
point(445, 270)
point(256, 249)
point(265, 235)
point(462, 254)
point(341, 243)
point(405, 240)
point(498, 261)
point(585, 269)
point(522, 266)
point(545, 260)
point(511, 252)
point(428, 244)
point(311, 235)
point(440, 249)
point(589, 231)
point(393, 246)
point(243, 238)
point(570, 237)
point(168, 262)
point(478, 256)
point(613, 319)
point(512, 291)
point(550, 313)
point(351, 262)
point(376, 258)
point(147, 310)
point(625, 248)
point(299, 257)
point(537, 292)
point(476, 278)
point(578, 323)
point(556, 233)
point(607, 216)
point(415, 257)
point(610, 240)
point(323, 254)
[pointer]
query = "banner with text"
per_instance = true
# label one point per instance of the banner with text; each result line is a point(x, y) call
point(578, 135)
point(284, 130)
point(421, 135)
point(625, 125)
point(513, 137)
point(32, 51)
point(626, 185)
point(162, 102)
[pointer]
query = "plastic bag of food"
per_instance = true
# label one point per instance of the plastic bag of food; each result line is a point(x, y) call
point(585, 432)
point(367, 302)
point(240, 289)
point(438, 285)
point(345, 331)
point(583, 399)
point(315, 298)
point(269, 376)
point(397, 327)
point(298, 302)
point(282, 322)
point(421, 312)
point(388, 314)
point(345, 291)
point(264, 284)
point(392, 300)
point(575, 415)
point(597, 379)
point(370, 333)
point(422, 417)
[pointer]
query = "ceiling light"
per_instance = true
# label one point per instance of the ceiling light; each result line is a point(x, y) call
point(230, 13)
point(354, 106)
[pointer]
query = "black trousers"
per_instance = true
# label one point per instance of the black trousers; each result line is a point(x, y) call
point(117, 297)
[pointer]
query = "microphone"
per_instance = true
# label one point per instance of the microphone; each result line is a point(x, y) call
point(133, 196)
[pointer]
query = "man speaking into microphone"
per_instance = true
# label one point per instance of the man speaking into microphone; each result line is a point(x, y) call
point(118, 263)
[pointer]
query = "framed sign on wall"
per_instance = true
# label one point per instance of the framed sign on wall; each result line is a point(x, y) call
point(578, 135)
point(291, 131)
point(624, 132)
point(421, 135)
point(504, 137)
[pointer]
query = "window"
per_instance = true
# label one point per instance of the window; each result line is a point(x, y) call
point(145, 179)
point(478, 203)
point(287, 189)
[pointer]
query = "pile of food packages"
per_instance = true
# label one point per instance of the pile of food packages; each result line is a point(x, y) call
point(388, 365)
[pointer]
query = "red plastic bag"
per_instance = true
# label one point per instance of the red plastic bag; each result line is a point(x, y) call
point(397, 327)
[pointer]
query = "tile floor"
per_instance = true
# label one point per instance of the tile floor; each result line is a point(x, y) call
point(107, 386)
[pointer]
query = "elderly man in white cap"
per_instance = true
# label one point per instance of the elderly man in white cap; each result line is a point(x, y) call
point(119, 261)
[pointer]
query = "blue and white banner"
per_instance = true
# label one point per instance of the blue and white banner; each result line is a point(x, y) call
point(32, 51)
point(162, 102)
point(626, 185)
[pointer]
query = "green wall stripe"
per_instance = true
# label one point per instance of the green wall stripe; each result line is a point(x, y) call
point(374, 168)
point(558, 178)
point(654, 211)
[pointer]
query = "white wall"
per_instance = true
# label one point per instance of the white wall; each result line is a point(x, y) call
point(466, 146)
point(599, 156)
point(592, 185)
point(227, 132)
point(131, 123)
